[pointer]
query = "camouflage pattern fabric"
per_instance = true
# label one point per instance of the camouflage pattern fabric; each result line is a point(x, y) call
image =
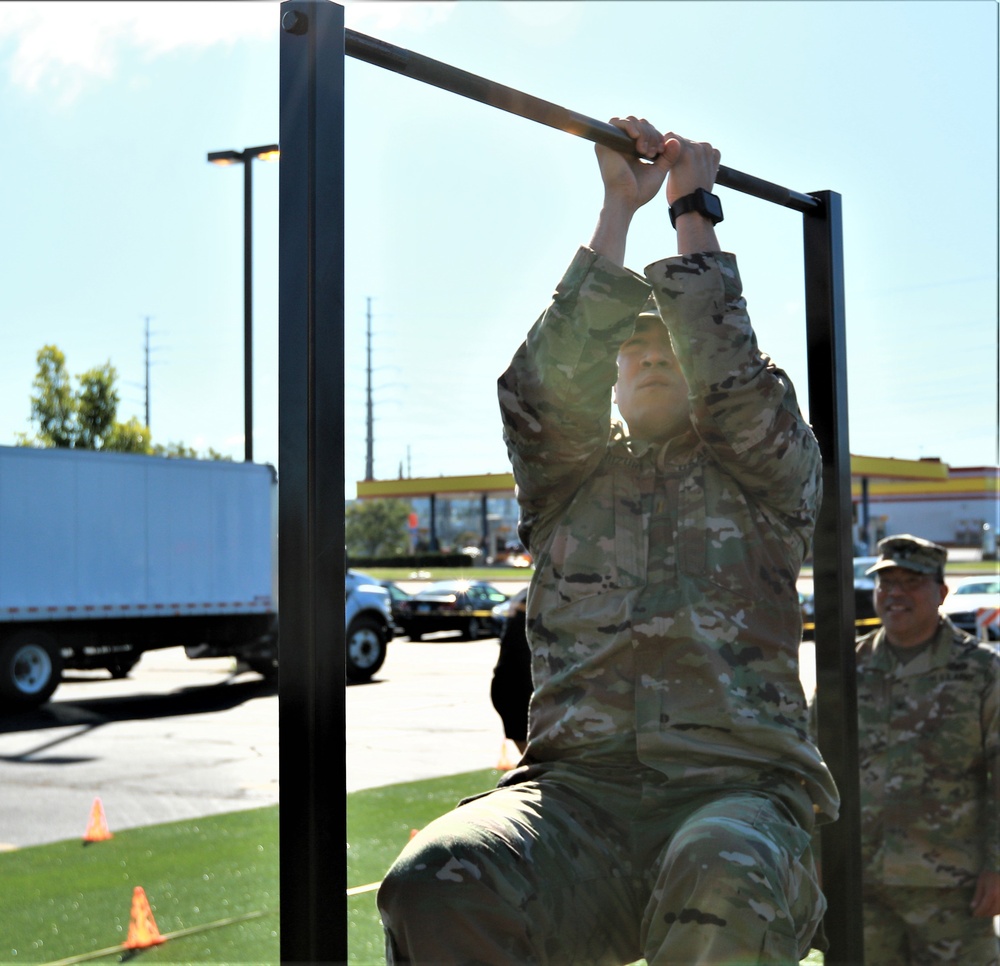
point(663, 614)
point(576, 870)
point(928, 749)
point(925, 927)
point(664, 625)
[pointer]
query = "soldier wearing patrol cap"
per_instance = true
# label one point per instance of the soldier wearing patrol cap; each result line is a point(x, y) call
point(928, 696)
point(666, 798)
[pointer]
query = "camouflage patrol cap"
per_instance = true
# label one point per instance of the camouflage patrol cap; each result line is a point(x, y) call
point(910, 553)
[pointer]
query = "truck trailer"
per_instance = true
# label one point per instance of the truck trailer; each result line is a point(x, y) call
point(106, 555)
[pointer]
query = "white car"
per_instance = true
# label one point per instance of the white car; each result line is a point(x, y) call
point(968, 597)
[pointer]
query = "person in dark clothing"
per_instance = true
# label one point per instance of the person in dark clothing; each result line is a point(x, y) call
point(510, 690)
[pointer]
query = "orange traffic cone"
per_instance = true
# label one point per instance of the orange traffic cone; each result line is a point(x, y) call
point(509, 756)
point(97, 829)
point(142, 931)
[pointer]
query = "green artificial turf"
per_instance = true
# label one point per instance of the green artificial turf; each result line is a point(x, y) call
point(68, 899)
point(379, 823)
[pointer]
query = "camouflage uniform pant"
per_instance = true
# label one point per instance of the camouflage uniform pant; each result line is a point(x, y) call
point(912, 926)
point(556, 872)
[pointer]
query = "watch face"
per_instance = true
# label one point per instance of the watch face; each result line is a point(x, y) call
point(713, 207)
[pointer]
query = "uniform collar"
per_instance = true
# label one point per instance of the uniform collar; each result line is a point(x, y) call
point(936, 656)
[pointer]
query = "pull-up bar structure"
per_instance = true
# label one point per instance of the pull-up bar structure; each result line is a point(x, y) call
point(311, 557)
point(448, 78)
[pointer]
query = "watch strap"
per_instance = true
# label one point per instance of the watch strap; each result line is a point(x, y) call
point(701, 201)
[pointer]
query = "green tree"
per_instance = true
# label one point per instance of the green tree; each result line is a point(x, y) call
point(96, 408)
point(377, 528)
point(176, 450)
point(85, 418)
point(53, 404)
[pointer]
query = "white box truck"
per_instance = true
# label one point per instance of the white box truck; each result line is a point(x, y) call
point(106, 555)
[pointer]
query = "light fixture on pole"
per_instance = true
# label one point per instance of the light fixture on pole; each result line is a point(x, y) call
point(266, 152)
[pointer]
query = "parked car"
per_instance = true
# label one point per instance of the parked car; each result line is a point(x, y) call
point(369, 625)
point(452, 605)
point(864, 587)
point(969, 596)
point(864, 605)
point(396, 597)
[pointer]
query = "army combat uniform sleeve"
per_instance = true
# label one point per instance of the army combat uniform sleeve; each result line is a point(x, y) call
point(555, 398)
point(744, 407)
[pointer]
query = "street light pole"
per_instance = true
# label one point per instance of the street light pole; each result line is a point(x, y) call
point(266, 152)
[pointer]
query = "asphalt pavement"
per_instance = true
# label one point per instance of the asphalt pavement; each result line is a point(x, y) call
point(176, 740)
point(180, 739)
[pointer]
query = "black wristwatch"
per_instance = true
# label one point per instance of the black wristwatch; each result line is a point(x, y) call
point(700, 200)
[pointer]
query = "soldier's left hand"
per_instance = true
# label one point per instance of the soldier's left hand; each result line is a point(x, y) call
point(986, 900)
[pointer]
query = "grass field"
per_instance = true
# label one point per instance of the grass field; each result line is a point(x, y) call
point(214, 879)
point(69, 899)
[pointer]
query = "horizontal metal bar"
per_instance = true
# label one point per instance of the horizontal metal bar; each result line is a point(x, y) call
point(438, 74)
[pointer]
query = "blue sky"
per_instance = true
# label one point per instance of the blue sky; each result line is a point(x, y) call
point(461, 219)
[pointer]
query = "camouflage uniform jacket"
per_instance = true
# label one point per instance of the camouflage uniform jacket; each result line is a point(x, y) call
point(928, 756)
point(663, 613)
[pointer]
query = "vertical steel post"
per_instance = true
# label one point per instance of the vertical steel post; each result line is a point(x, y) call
point(833, 573)
point(311, 554)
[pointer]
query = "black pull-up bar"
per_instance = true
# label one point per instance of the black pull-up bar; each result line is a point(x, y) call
point(438, 74)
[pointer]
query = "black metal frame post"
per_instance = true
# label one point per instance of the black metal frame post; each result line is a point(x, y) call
point(833, 573)
point(313, 762)
point(313, 877)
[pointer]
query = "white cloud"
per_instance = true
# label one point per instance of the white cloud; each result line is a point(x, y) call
point(59, 46)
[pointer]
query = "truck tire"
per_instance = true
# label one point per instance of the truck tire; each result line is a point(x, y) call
point(121, 667)
point(30, 669)
point(366, 647)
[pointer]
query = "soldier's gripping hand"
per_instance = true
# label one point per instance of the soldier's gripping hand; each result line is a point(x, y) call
point(631, 181)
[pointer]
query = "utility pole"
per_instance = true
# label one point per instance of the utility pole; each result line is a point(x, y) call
point(370, 458)
point(147, 372)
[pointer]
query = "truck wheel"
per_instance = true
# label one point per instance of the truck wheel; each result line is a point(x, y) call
point(30, 669)
point(121, 667)
point(365, 648)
